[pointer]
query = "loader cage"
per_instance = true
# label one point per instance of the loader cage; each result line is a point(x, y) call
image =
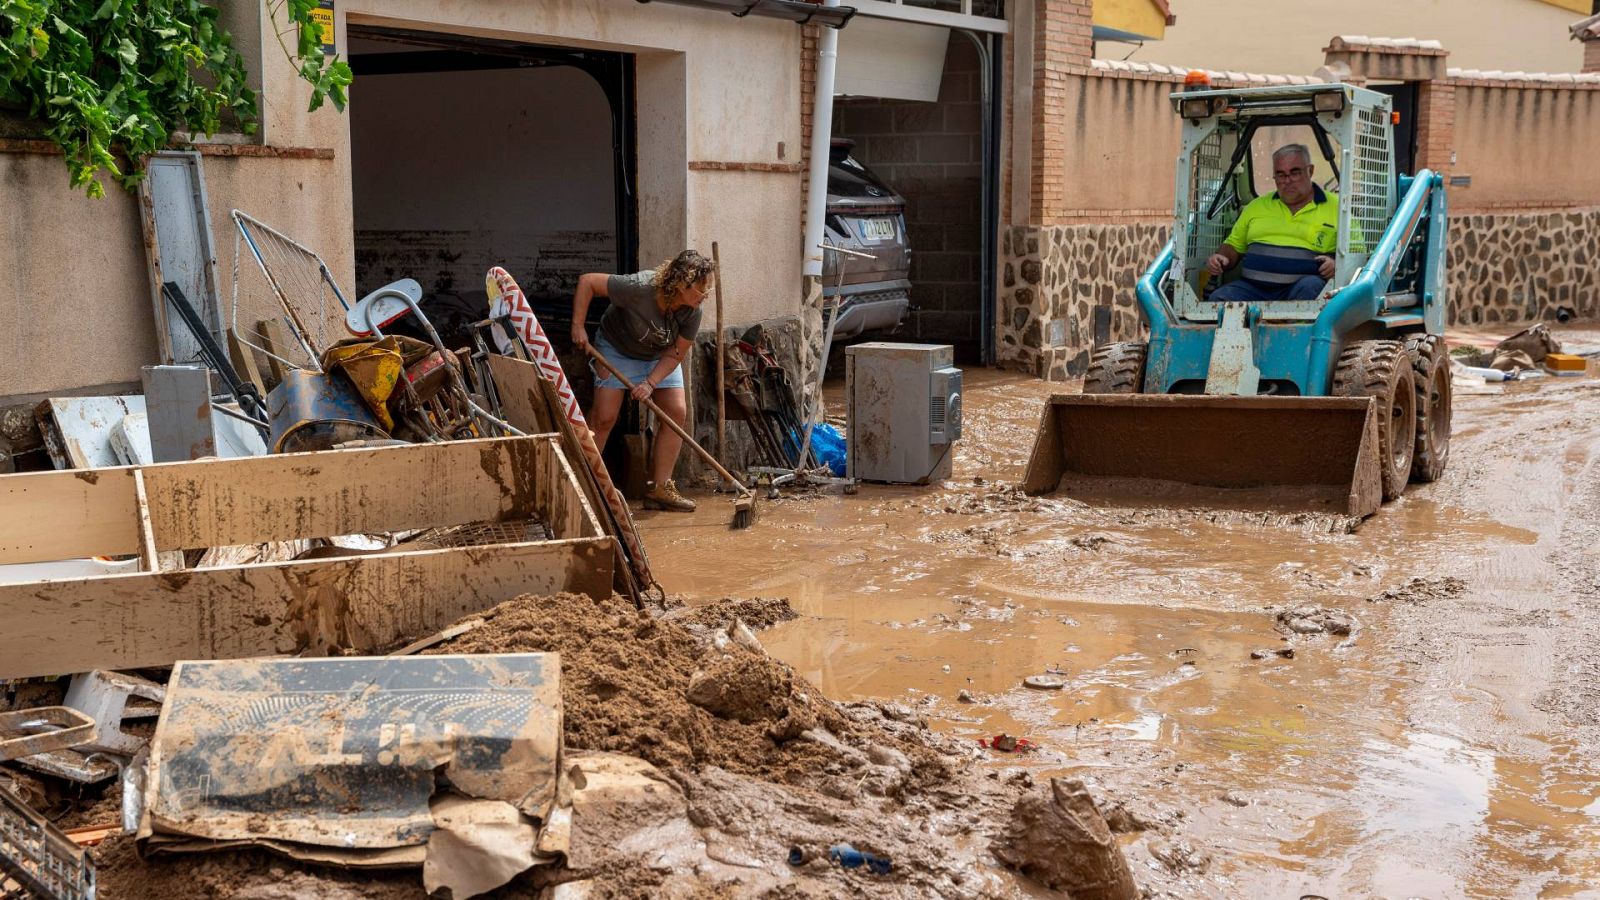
point(1213, 184)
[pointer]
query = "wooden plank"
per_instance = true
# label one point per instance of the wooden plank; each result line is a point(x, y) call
point(562, 506)
point(67, 515)
point(530, 402)
point(244, 361)
point(149, 558)
point(270, 336)
point(521, 400)
point(364, 604)
point(299, 495)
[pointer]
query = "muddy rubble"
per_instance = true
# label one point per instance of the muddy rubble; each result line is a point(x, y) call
point(749, 759)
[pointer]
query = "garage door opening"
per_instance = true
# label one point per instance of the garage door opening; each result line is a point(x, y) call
point(912, 112)
point(469, 153)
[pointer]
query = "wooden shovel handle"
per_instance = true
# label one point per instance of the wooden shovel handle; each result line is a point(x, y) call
point(670, 422)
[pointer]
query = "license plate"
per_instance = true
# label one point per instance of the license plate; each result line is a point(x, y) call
point(877, 229)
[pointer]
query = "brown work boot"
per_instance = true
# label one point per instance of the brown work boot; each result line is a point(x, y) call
point(666, 497)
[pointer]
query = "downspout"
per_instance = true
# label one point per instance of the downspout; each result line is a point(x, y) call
point(988, 226)
point(821, 137)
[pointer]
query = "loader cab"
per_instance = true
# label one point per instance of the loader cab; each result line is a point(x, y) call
point(1228, 140)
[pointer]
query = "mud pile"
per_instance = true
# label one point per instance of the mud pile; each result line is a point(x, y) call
point(1422, 590)
point(626, 677)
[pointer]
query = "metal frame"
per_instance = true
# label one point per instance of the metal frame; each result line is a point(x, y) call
point(1361, 175)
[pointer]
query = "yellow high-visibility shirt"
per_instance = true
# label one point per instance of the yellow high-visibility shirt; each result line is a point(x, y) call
point(1267, 220)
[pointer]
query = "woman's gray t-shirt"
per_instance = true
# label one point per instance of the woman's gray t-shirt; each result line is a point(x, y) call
point(635, 325)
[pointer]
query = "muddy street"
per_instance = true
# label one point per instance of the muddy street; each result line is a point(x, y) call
point(1427, 728)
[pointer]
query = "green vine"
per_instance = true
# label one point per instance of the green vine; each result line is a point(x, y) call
point(110, 80)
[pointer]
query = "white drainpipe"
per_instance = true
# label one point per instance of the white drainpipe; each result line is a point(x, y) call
point(821, 135)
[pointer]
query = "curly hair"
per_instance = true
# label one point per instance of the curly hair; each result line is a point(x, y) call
point(673, 275)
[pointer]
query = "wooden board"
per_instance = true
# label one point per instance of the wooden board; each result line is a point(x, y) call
point(530, 403)
point(365, 604)
point(244, 362)
point(299, 495)
point(66, 515)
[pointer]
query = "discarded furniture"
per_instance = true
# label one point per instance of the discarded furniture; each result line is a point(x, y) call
point(354, 603)
point(39, 858)
point(179, 250)
point(364, 761)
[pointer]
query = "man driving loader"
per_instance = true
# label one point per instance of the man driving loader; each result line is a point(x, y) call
point(1285, 239)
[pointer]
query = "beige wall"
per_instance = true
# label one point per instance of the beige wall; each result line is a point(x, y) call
point(1288, 37)
point(1525, 148)
point(1122, 140)
point(711, 87)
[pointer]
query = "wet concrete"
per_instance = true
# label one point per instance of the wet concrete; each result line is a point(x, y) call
point(1441, 749)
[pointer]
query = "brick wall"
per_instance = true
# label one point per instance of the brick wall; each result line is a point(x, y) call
point(932, 154)
point(1591, 56)
point(1436, 125)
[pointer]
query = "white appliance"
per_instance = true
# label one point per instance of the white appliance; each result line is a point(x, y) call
point(903, 411)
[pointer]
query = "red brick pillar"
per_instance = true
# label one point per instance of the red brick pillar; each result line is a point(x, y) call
point(1591, 56)
point(1436, 125)
point(1063, 45)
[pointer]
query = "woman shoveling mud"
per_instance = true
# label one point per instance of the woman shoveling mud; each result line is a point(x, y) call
point(646, 333)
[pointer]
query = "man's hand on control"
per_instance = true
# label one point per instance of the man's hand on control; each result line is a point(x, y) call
point(1217, 264)
point(1325, 266)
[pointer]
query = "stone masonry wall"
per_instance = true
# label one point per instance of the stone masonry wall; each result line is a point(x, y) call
point(1066, 288)
point(1507, 269)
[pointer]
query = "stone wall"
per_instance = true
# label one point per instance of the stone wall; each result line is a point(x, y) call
point(1066, 288)
point(1511, 268)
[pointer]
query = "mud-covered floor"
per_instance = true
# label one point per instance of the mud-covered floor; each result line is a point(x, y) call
point(1446, 747)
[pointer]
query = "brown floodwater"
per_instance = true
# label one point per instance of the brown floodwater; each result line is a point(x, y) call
point(1383, 763)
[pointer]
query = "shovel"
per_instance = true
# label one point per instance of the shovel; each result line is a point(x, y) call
point(744, 506)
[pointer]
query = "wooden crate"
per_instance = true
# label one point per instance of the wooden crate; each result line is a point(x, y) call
point(361, 603)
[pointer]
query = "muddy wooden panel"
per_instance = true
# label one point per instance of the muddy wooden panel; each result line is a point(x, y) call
point(1217, 442)
point(517, 382)
point(365, 604)
point(213, 503)
point(530, 402)
point(563, 507)
point(46, 516)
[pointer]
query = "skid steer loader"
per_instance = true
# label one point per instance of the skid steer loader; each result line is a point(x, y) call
point(1331, 404)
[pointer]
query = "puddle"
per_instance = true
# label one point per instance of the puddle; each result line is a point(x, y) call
point(917, 594)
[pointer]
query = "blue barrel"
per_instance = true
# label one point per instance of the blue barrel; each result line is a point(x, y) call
point(317, 410)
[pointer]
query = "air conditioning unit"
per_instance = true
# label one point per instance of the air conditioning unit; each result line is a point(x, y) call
point(903, 411)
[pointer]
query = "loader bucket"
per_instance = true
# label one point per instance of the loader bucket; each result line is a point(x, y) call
point(1279, 453)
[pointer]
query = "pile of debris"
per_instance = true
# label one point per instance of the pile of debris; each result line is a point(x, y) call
point(557, 746)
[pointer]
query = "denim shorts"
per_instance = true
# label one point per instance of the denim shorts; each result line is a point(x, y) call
point(637, 370)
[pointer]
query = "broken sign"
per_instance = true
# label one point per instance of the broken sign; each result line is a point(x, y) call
point(344, 759)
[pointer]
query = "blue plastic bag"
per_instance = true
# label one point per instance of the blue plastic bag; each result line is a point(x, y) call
point(827, 444)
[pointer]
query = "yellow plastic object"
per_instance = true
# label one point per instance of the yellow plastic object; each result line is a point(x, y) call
point(1565, 362)
point(374, 367)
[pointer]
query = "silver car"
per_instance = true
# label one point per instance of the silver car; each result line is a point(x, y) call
point(866, 216)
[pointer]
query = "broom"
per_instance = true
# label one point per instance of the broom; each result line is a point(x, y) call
point(744, 506)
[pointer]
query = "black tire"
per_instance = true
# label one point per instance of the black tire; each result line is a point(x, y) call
point(1117, 369)
point(1382, 370)
point(1430, 369)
